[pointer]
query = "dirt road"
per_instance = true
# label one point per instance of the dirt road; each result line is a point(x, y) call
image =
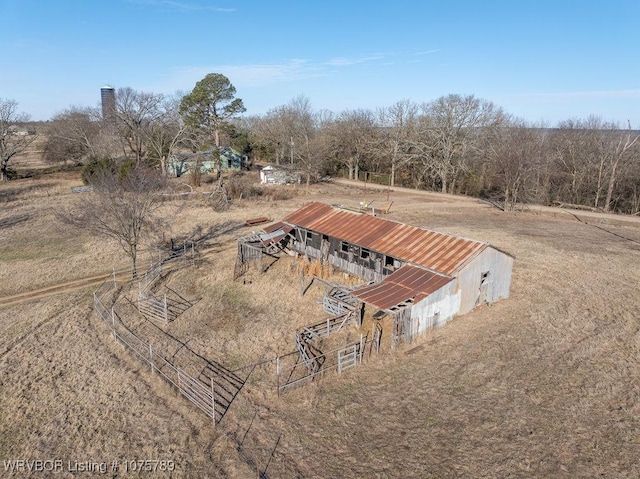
point(66, 287)
point(470, 201)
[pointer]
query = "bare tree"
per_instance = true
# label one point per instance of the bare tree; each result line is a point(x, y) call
point(135, 113)
point(630, 188)
point(451, 129)
point(165, 133)
point(288, 134)
point(122, 207)
point(399, 123)
point(353, 136)
point(575, 151)
point(13, 142)
point(515, 153)
point(590, 157)
point(301, 127)
point(271, 134)
point(73, 135)
point(621, 153)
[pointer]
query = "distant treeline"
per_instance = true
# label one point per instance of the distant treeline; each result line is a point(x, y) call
point(460, 144)
point(454, 144)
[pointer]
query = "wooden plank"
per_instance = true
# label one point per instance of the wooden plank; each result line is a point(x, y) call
point(256, 221)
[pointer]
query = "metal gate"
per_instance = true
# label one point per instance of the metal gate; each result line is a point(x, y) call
point(348, 357)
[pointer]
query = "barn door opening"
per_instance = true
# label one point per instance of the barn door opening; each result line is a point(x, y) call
point(484, 286)
point(324, 249)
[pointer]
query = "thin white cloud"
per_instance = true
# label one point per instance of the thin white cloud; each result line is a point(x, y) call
point(259, 74)
point(427, 52)
point(250, 75)
point(182, 6)
point(343, 62)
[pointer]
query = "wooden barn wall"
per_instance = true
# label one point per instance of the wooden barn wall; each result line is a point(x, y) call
point(437, 309)
point(347, 257)
point(499, 266)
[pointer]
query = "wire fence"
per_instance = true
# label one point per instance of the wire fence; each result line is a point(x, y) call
point(211, 387)
point(195, 390)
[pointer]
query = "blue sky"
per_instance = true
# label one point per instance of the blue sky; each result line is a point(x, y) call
point(539, 60)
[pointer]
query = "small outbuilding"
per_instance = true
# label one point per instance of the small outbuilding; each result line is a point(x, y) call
point(279, 175)
point(213, 160)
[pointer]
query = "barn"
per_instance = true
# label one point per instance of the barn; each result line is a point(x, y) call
point(421, 277)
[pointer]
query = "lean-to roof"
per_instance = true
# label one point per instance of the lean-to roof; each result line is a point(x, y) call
point(408, 283)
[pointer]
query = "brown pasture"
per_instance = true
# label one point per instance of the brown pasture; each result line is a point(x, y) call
point(544, 384)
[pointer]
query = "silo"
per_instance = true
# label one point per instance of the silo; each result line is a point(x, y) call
point(108, 96)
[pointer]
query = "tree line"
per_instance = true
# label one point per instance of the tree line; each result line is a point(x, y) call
point(455, 144)
point(461, 145)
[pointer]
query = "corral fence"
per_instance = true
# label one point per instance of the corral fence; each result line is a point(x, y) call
point(291, 370)
point(154, 306)
point(249, 251)
point(211, 389)
point(150, 277)
point(214, 388)
point(195, 390)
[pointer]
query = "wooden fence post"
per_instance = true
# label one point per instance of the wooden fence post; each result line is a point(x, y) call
point(213, 403)
point(302, 282)
point(278, 374)
point(151, 358)
point(361, 348)
point(166, 316)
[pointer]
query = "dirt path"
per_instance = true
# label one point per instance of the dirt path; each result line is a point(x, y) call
point(60, 288)
point(469, 201)
point(92, 281)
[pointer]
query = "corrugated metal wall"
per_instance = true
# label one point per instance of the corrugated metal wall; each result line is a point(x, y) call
point(437, 309)
point(485, 279)
point(499, 266)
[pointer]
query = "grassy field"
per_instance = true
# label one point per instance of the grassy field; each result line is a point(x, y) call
point(544, 384)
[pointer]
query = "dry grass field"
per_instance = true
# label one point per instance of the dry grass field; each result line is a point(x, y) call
point(544, 384)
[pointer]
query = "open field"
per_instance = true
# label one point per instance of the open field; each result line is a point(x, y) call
point(544, 384)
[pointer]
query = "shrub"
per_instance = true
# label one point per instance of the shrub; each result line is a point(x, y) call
point(96, 168)
point(240, 185)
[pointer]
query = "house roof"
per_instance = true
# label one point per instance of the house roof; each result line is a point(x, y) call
point(407, 283)
point(436, 251)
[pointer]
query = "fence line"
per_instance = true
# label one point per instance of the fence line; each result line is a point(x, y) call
point(201, 396)
point(148, 304)
point(207, 391)
point(150, 277)
point(338, 359)
point(153, 307)
point(204, 396)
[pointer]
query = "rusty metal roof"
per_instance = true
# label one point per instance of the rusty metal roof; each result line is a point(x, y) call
point(437, 251)
point(408, 283)
point(279, 225)
point(276, 232)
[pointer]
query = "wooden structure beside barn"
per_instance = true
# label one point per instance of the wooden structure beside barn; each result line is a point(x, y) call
point(422, 278)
